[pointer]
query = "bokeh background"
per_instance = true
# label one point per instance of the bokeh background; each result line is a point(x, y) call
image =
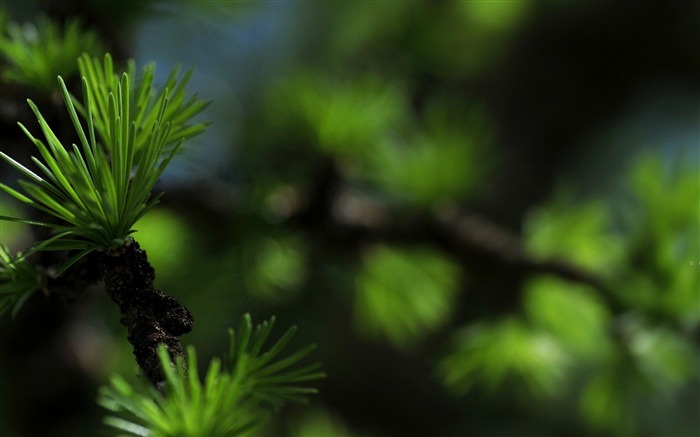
point(485, 213)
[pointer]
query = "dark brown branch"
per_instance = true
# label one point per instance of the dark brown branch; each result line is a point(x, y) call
point(472, 234)
point(151, 317)
point(350, 219)
point(468, 238)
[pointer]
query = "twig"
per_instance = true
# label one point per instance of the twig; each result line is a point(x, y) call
point(151, 317)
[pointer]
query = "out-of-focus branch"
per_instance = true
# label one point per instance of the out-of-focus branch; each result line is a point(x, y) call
point(345, 218)
point(356, 219)
point(464, 236)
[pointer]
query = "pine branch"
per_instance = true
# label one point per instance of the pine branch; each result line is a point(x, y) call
point(151, 317)
point(349, 220)
point(356, 219)
point(74, 281)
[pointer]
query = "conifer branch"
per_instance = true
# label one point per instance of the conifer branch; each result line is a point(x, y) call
point(150, 316)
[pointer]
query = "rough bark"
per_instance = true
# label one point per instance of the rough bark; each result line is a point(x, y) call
point(150, 316)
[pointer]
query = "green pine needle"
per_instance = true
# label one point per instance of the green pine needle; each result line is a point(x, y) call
point(37, 53)
point(18, 281)
point(234, 397)
point(147, 102)
point(100, 188)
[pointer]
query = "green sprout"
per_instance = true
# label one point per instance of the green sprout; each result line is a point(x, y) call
point(18, 281)
point(505, 355)
point(37, 53)
point(402, 295)
point(236, 396)
point(99, 190)
point(103, 79)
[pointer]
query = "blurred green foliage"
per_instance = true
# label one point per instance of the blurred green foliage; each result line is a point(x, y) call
point(666, 196)
point(344, 117)
point(443, 163)
point(664, 245)
point(578, 232)
point(412, 104)
point(35, 53)
point(573, 314)
point(650, 366)
point(403, 296)
point(506, 354)
point(18, 281)
point(276, 268)
point(13, 232)
point(318, 423)
point(365, 123)
point(156, 234)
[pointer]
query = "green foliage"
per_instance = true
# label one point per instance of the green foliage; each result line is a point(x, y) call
point(276, 267)
point(507, 354)
point(361, 24)
point(155, 235)
point(37, 53)
point(168, 106)
point(404, 295)
point(99, 190)
point(607, 403)
point(601, 367)
point(18, 281)
point(674, 301)
point(664, 196)
point(626, 362)
point(319, 423)
point(666, 358)
point(647, 368)
point(581, 234)
point(237, 394)
point(572, 313)
point(478, 31)
point(494, 16)
point(365, 123)
point(664, 242)
point(340, 117)
point(439, 163)
point(13, 233)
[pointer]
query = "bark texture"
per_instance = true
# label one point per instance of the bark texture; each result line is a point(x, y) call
point(151, 317)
